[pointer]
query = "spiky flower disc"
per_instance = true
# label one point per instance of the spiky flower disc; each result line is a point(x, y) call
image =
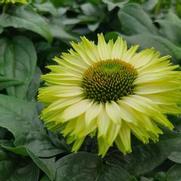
point(109, 91)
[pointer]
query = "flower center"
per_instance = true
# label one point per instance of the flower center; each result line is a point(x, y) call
point(108, 80)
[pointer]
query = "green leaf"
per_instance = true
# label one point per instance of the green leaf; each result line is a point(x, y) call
point(19, 64)
point(174, 173)
point(46, 7)
point(171, 27)
point(175, 157)
point(134, 20)
point(80, 166)
point(45, 178)
point(34, 85)
point(15, 112)
point(6, 166)
point(31, 134)
point(19, 150)
point(148, 156)
point(3, 44)
point(89, 167)
point(18, 171)
point(110, 171)
point(28, 19)
point(47, 165)
point(111, 4)
point(150, 4)
point(3, 155)
point(7, 82)
point(58, 30)
point(29, 173)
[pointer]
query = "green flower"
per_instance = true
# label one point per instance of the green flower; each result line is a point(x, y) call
point(110, 91)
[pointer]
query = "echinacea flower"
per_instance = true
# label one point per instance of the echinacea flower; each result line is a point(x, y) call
point(110, 91)
point(14, 1)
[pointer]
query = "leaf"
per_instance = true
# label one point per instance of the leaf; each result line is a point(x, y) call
point(19, 150)
point(34, 85)
point(58, 30)
point(47, 165)
point(45, 178)
point(111, 4)
point(175, 157)
point(80, 166)
point(28, 19)
point(19, 64)
point(171, 27)
point(110, 171)
point(134, 20)
point(89, 167)
point(46, 7)
point(3, 155)
point(7, 82)
point(29, 173)
point(15, 112)
point(150, 4)
point(6, 166)
point(174, 173)
point(21, 171)
point(31, 134)
point(40, 144)
point(148, 156)
point(3, 44)
point(91, 15)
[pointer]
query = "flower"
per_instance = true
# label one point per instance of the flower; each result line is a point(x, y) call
point(14, 1)
point(110, 91)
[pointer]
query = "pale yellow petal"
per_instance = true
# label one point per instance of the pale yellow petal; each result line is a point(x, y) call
point(76, 110)
point(113, 112)
point(103, 123)
point(92, 113)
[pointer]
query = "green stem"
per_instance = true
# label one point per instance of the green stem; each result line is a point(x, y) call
point(4, 9)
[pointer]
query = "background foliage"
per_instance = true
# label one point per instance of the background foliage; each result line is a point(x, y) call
point(30, 35)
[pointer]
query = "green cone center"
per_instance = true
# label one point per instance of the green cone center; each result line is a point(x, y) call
point(108, 80)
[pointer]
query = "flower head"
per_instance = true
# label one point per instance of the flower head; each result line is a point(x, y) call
point(111, 92)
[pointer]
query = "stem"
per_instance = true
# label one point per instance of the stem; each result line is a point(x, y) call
point(4, 9)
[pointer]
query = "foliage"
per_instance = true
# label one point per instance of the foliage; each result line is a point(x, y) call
point(30, 35)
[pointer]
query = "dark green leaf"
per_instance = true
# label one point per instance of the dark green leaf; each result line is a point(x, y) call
point(89, 167)
point(58, 30)
point(46, 7)
point(110, 171)
point(171, 27)
point(20, 171)
point(7, 82)
point(47, 165)
point(175, 157)
point(134, 20)
point(111, 4)
point(15, 116)
point(20, 118)
point(3, 44)
point(150, 4)
point(19, 64)
point(28, 19)
point(148, 156)
point(6, 167)
point(34, 85)
point(45, 178)
point(174, 173)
